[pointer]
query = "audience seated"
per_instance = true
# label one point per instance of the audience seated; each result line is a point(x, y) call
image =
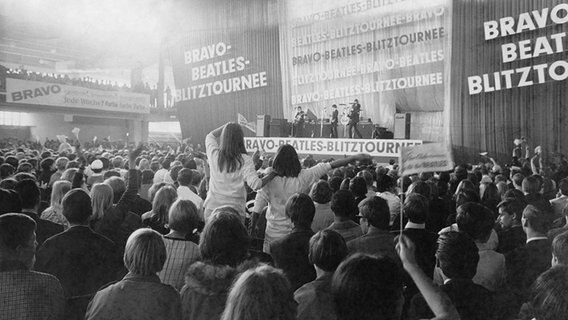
point(343, 207)
point(140, 294)
point(25, 294)
point(327, 250)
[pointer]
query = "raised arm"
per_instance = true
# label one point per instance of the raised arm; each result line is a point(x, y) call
point(436, 299)
point(132, 184)
point(345, 161)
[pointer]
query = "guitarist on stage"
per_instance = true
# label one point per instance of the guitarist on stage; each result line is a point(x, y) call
point(299, 123)
point(334, 121)
point(354, 115)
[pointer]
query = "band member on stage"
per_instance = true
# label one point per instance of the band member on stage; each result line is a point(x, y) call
point(299, 123)
point(334, 121)
point(353, 115)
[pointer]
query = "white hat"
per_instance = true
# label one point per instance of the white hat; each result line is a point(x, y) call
point(97, 164)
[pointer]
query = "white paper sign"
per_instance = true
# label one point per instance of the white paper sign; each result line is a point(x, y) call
point(429, 157)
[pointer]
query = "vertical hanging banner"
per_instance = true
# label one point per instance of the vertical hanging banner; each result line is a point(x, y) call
point(391, 55)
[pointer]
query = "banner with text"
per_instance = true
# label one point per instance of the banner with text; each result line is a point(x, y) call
point(59, 95)
point(430, 157)
point(391, 55)
point(376, 148)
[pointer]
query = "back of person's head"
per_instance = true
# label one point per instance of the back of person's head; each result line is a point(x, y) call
point(327, 250)
point(367, 287)
point(101, 199)
point(118, 187)
point(46, 164)
point(29, 193)
point(77, 206)
point(61, 163)
point(183, 216)
point(16, 238)
point(300, 209)
point(60, 188)
point(563, 186)
point(259, 294)
point(184, 177)
point(343, 203)
point(10, 201)
point(224, 240)
point(376, 211)
point(321, 192)
point(147, 176)
point(6, 170)
point(384, 182)
point(560, 249)
point(368, 176)
point(415, 208)
point(117, 162)
point(335, 183)
point(475, 220)
point(68, 174)
point(24, 176)
point(286, 162)
point(163, 200)
point(145, 252)
point(174, 171)
point(231, 148)
point(25, 167)
point(539, 216)
point(420, 187)
point(195, 177)
point(518, 179)
point(111, 173)
point(358, 187)
point(549, 294)
point(457, 255)
point(531, 185)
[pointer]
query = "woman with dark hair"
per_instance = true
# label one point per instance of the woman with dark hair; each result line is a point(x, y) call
point(230, 166)
point(223, 246)
point(321, 195)
point(327, 250)
point(291, 178)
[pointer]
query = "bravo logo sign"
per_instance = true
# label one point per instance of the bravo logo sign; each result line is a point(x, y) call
point(34, 93)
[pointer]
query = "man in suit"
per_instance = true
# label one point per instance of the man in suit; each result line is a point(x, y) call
point(334, 121)
point(512, 235)
point(526, 263)
point(560, 202)
point(354, 115)
point(377, 240)
point(457, 257)
point(80, 258)
point(30, 194)
point(290, 253)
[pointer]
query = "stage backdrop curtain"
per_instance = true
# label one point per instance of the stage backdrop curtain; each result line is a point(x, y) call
point(393, 56)
point(232, 39)
point(490, 121)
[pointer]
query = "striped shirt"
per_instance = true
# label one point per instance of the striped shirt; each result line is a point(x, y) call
point(180, 255)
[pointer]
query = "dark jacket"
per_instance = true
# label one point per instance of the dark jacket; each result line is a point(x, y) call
point(205, 292)
point(290, 253)
point(45, 229)
point(315, 301)
point(375, 242)
point(426, 244)
point(511, 239)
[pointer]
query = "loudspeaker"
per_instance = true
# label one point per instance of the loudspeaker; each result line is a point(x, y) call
point(279, 128)
point(402, 125)
point(263, 125)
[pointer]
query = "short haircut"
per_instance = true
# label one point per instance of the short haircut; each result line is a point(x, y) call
point(376, 211)
point(145, 252)
point(286, 162)
point(29, 193)
point(475, 220)
point(321, 192)
point(531, 185)
point(260, 293)
point(367, 287)
point(77, 206)
point(343, 203)
point(457, 255)
point(327, 250)
point(415, 208)
point(111, 173)
point(563, 186)
point(358, 186)
point(10, 201)
point(61, 163)
point(560, 247)
point(384, 182)
point(518, 179)
point(539, 215)
point(15, 230)
point(118, 187)
point(549, 293)
point(6, 170)
point(420, 187)
point(300, 209)
point(513, 206)
point(184, 177)
point(335, 183)
point(224, 240)
point(183, 216)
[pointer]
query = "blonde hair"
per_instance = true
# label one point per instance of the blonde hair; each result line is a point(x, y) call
point(101, 200)
point(68, 174)
point(143, 164)
point(162, 202)
point(183, 216)
point(145, 252)
point(260, 293)
point(59, 190)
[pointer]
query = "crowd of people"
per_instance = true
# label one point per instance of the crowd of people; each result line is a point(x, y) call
point(156, 233)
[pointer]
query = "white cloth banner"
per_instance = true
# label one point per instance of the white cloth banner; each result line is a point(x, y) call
point(59, 95)
point(430, 157)
point(376, 148)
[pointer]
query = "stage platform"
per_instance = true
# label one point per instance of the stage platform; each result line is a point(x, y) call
point(381, 150)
